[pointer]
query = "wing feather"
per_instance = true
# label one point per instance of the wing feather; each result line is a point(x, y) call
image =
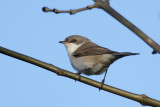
point(90, 48)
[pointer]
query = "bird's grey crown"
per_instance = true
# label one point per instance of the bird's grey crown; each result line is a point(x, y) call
point(76, 39)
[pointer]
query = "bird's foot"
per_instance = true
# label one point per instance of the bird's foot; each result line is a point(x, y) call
point(102, 83)
point(79, 76)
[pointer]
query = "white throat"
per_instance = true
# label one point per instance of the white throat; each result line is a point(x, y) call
point(71, 47)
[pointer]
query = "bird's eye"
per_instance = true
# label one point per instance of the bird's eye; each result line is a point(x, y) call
point(73, 40)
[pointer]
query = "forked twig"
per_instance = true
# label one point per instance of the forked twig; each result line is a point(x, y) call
point(104, 4)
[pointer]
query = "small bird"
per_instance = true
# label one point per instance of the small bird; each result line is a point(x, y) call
point(89, 58)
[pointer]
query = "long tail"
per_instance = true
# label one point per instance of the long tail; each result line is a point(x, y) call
point(128, 53)
point(123, 54)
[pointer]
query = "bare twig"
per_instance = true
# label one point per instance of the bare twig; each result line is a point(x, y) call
point(46, 9)
point(143, 99)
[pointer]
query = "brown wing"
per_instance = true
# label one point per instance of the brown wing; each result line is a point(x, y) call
point(90, 48)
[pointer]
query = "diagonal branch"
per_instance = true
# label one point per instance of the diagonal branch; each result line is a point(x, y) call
point(104, 4)
point(143, 99)
point(106, 7)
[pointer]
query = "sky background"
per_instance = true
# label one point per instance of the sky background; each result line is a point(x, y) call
point(24, 28)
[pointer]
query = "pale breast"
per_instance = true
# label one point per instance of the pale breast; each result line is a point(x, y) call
point(90, 65)
point(79, 64)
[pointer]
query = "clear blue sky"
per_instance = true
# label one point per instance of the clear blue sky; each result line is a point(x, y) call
point(26, 29)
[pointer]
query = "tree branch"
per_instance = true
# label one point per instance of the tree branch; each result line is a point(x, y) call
point(104, 4)
point(106, 7)
point(143, 99)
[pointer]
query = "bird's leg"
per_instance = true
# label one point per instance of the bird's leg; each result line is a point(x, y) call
point(102, 83)
point(79, 75)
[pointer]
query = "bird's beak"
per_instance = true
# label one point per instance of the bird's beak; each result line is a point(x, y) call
point(63, 42)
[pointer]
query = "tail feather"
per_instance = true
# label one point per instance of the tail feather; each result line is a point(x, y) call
point(123, 54)
point(128, 53)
